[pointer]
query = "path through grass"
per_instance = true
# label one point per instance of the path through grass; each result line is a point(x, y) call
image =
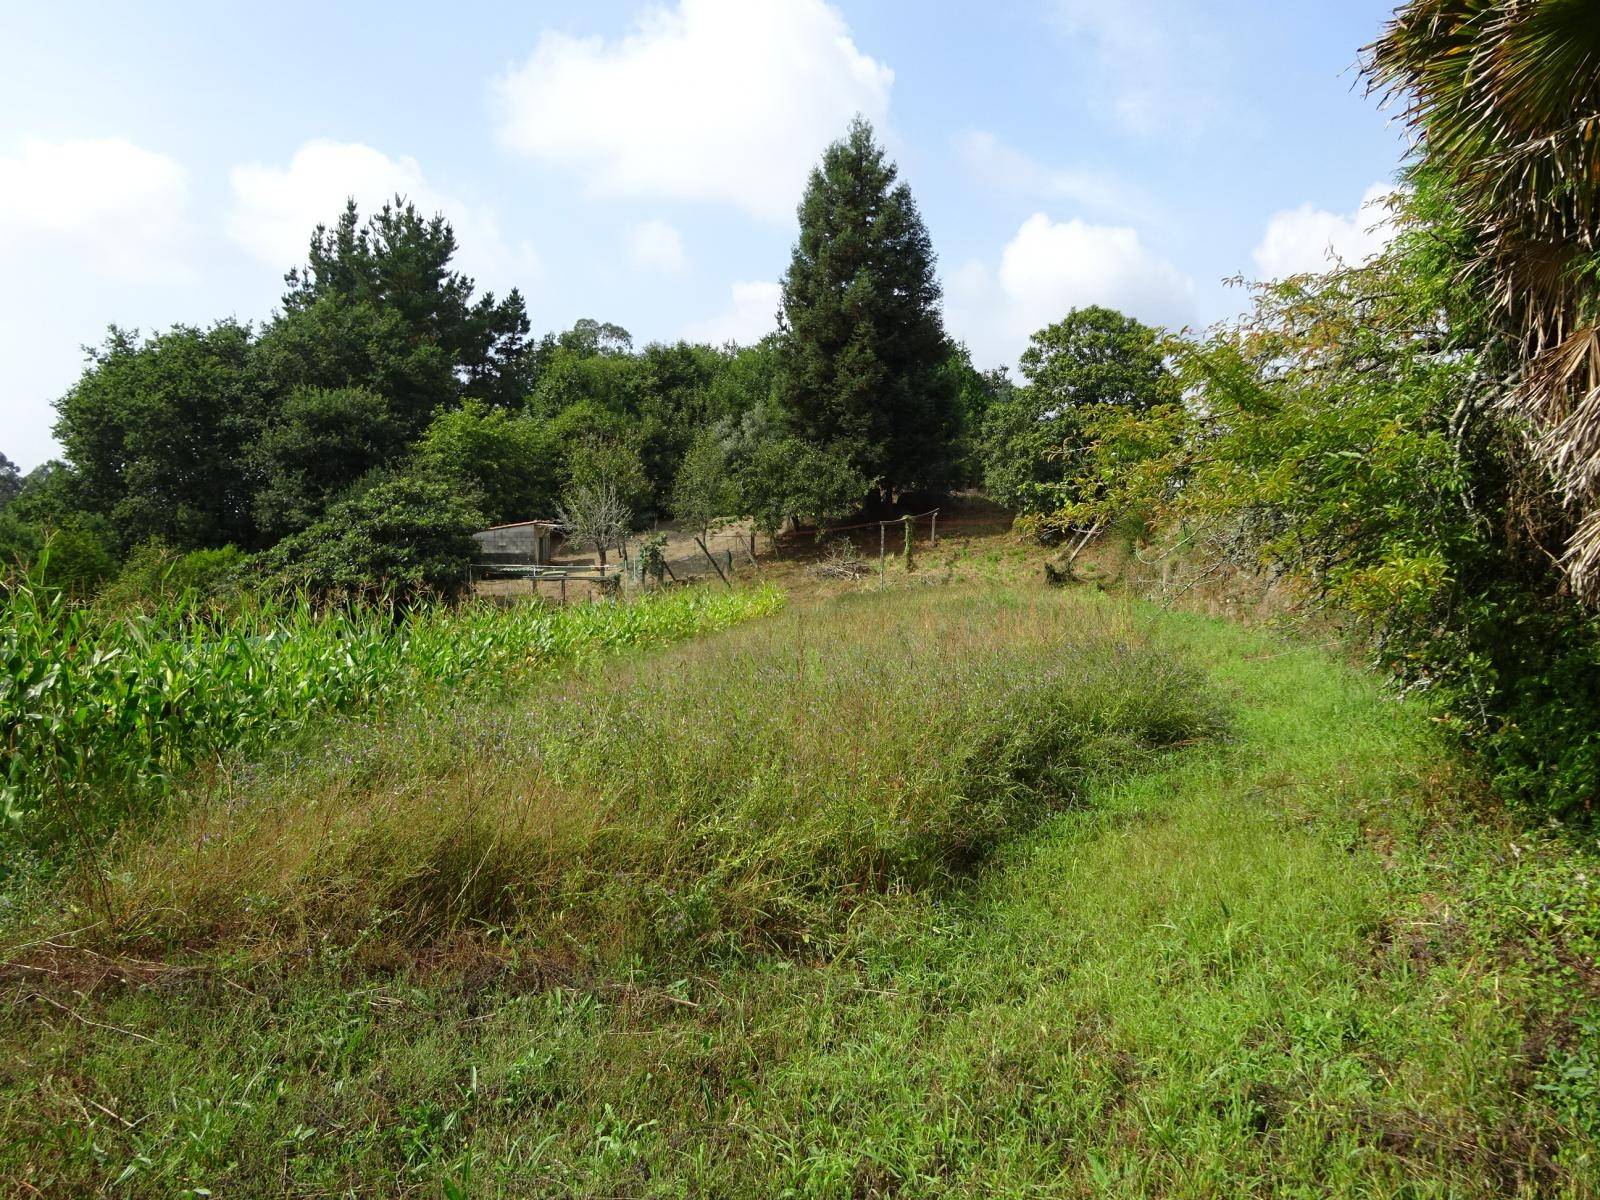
point(1297, 962)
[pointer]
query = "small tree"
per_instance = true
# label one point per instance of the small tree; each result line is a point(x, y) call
point(508, 459)
point(704, 491)
point(1036, 438)
point(408, 536)
point(787, 477)
point(593, 511)
point(318, 443)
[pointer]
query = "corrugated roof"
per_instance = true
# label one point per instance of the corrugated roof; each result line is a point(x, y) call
point(519, 525)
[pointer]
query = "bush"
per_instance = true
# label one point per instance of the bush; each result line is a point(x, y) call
point(1345, 433)
point(507, 460)
point(404, 537)
point(1093, 362)
point(156, 576)
point(318, 441)
point(73, 558)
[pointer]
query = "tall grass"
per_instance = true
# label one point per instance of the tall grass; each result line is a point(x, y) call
point(743, 793)
point(1304, 961)
point(100, 714)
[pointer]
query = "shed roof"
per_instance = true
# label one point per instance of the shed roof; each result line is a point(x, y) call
point(520, 524)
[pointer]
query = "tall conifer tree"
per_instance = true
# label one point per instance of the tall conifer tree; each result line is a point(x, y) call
point(862, 341)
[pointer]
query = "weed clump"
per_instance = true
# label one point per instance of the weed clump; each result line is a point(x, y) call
point(727, 796)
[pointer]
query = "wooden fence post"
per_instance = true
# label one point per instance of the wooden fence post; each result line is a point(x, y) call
point(563, 589)
point(935, 528)
point(883, 559)
point(907, 520)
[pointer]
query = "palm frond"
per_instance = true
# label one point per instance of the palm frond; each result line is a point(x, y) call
point(1505, 95)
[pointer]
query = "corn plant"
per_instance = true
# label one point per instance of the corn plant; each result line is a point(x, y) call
point(99, 714)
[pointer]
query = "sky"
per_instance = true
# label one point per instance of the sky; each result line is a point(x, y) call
point(640, 163)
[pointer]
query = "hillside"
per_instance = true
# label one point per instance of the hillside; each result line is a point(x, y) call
point(970, 888)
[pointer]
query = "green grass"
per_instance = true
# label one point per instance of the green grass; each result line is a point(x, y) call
point(1299, 959)
point(741, 794)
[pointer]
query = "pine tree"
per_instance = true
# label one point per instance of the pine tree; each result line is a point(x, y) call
point(862, 343)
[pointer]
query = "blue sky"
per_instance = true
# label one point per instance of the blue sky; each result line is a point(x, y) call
point(640, 163)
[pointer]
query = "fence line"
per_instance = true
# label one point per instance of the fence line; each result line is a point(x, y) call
point(932, 512)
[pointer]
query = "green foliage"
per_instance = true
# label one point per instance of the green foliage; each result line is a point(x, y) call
point(1024, 468)
point(407, 536)
point(73, 560)
point(507, 460)
point(156, 430)
point(1097, 356)
point(204, 438)
point(51, 494)
point(690, 388)
point(1035, 437)
point(589, 338)
point(976, 393)
point(779, 476)
point(1342, 433)
point(652, 555)
point(383, 363)
point(1501, 96)
point(614, 462)
point(317, 442)
point(705, 490)
point(10, 481)
point(335, 342)
point(399, 263)
point(862, 347)
point(45, 531)
point(156, 577)
point(101, 713)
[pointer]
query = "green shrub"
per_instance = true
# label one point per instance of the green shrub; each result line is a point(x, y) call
point(508, 460)
point(404, 537)
point(1344, 433)
point(155, 576)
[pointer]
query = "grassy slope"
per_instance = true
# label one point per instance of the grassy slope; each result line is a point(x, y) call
point(1282, 965)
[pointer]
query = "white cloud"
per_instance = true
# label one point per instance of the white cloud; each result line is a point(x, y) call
point(751, 315)
point(656, 246)
point(721, 100)
point(121, 205)
point(1152, 64)
point(1051, 267)
point(276, 208)
point(1007, 169)
point(1312, 239)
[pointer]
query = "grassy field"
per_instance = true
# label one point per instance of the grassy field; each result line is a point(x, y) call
point(101, 714)
point(968, 890)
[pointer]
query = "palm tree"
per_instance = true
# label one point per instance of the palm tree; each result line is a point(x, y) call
point(1505, 97)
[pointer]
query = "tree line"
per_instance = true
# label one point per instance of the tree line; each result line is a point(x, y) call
point(389, 407)
point(1413, 440)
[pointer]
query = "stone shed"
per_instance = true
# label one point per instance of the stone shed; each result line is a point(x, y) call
point(520, 543)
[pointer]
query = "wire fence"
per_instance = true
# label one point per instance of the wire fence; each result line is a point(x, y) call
point(901, 543)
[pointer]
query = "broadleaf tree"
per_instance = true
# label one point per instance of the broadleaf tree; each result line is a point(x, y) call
point(1092, 361)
